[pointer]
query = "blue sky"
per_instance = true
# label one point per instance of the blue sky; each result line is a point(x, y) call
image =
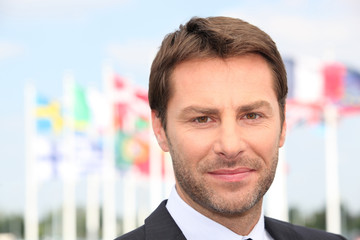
point(40, 41)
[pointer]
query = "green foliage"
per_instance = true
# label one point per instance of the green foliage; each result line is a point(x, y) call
point(50, 226)
point(317, 220)
point(81, 223)
point(296, 217)
point(350, 221)
point(12, 224)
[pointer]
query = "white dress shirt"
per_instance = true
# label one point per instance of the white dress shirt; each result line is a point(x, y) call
point(196, 226)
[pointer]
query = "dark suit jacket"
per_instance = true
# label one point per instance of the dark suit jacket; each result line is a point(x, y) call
point(161, 226)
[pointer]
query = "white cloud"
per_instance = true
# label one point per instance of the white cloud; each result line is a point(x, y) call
point(298, 33)
point(10, 50)
point(53, 8)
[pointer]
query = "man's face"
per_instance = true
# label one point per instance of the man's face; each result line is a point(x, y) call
point(223, 133)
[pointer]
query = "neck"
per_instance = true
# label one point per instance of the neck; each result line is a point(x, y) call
point(241, 224)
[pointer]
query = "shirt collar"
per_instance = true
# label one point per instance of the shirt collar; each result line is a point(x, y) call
point(194, 225)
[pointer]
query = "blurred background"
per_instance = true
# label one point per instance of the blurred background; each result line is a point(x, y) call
point(69, 68)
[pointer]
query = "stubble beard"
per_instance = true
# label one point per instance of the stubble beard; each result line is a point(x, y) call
point(198, 190)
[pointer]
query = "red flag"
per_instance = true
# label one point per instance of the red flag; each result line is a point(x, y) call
point(334, 81)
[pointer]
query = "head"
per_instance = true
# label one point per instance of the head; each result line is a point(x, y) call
point(214, 37)
point(217, 93)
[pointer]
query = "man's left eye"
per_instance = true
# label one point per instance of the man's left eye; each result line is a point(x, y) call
point(202, 119)
point(251, 116)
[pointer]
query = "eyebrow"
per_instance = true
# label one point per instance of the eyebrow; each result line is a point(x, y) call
point(255, 105)
point(213, 111)
point(199, 110)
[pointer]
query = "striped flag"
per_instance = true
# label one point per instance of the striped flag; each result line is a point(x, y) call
point(313, 84)
point(87, 140)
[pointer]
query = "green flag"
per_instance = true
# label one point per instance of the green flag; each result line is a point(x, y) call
point(82, 114)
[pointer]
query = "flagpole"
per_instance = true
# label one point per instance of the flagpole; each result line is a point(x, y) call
point(130, 177)
point(109, 211)
point(333, 209)
point(129, 202)
point(69, 178)
point(69, 209)
point(92, 207)
point(155, 173)
point(31, 184)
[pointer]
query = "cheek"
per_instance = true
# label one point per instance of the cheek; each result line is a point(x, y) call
point(194, 147)
point(265, 144)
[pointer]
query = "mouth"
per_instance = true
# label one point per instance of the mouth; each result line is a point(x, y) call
point(232, 175)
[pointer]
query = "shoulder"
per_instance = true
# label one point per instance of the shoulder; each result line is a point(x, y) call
point(159, 225)
point(277, 228)
point(137, 234)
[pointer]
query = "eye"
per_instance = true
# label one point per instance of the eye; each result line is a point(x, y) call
point(202, 119)
point(252, 116)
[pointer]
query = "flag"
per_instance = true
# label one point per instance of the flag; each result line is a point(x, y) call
point(48, 157)
point(129, 101)
point(350, 102)
point(49, 125)
point(88, 154)
point(351, 95)
point(305, 91)
point(333, 76)
point(123, 97)
point(313, 84)
point(140, 103)
point(314, 81)
point(132, 126)
point(87, 148)
point(299, 114)
point(132, 150)
point(308, 84)
point(81, 109)
point(342, 88)
point(48, 115)
point(289, 65)
point(99, 111)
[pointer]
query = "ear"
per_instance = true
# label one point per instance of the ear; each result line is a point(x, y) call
point(159, 132)
point(282, 134)
point(283, 130)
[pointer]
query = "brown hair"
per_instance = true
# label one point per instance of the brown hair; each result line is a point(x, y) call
point(219, 37)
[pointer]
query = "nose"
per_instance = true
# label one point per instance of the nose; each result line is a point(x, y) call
point(230, 142)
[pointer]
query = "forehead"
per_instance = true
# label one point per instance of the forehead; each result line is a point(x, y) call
point(243, 77)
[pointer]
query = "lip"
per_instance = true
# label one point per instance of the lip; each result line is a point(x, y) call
point(232, 175)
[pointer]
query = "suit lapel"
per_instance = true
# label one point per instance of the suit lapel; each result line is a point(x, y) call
point(160, 225)
point(280, 230)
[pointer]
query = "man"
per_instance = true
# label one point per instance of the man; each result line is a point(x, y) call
point(217, 93)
